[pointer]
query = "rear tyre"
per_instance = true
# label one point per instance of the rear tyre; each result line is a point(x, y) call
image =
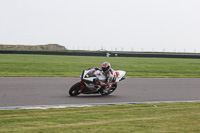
point(114, 86)
point(103, 93)
point(111, 90)
point(74, 90)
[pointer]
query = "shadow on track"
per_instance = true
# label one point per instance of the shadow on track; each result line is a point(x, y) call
point(94, 96)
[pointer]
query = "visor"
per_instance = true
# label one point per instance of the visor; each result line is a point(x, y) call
point(105, 69)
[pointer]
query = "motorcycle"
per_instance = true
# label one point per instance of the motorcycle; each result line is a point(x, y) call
point(88, 85)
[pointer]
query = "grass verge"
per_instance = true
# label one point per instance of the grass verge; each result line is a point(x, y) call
point(20, 65)
point(162, 117)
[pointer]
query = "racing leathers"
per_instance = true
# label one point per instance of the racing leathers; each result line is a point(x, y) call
point(110, 79)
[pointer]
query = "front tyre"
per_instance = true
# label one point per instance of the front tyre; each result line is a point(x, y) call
point(74, 90)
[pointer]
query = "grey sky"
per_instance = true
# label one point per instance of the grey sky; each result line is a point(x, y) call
point(93, 24)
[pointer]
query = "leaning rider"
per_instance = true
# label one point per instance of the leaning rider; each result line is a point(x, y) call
point(110, 75)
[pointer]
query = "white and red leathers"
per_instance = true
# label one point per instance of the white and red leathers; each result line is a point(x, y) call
point(110, 78)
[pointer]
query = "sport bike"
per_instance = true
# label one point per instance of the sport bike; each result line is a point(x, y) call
point(88, 85)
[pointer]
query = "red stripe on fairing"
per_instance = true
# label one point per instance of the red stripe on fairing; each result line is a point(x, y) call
point(83, 85)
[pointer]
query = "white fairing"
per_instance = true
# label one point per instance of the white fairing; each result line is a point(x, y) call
point(121, 75)
point(99, 74)
point(84, 74)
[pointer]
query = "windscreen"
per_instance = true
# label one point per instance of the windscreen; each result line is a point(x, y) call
point(90, 74)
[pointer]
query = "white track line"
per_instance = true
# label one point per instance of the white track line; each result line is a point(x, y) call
point(84, 105)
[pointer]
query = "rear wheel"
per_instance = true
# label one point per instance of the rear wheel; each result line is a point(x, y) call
point(74, 90)
point(111, 90)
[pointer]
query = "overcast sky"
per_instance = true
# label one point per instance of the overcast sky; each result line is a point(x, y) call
point(148, 25)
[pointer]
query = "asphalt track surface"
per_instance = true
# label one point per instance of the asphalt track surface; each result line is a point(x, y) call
point(28, 91)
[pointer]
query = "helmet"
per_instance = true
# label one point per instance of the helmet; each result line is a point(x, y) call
point(106, 67)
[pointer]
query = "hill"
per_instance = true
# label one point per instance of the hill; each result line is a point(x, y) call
point(33, 47)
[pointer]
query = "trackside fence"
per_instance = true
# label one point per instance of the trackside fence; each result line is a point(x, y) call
point(108, 54)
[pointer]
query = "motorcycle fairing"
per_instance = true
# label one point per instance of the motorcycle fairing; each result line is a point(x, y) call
point(120, 75)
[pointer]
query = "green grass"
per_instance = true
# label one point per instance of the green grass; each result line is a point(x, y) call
point(21, 65)
point(162, 117)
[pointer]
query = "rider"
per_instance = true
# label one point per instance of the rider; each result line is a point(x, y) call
point(110, 75)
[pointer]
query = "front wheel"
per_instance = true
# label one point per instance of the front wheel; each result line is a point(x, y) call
point(74, 90)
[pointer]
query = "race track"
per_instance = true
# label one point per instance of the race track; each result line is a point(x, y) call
point(23, 91)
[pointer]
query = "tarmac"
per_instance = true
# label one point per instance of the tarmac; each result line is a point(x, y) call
point(53, 91)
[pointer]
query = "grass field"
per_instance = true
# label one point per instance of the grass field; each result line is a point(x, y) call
point(163, 117)
point(20, 65)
